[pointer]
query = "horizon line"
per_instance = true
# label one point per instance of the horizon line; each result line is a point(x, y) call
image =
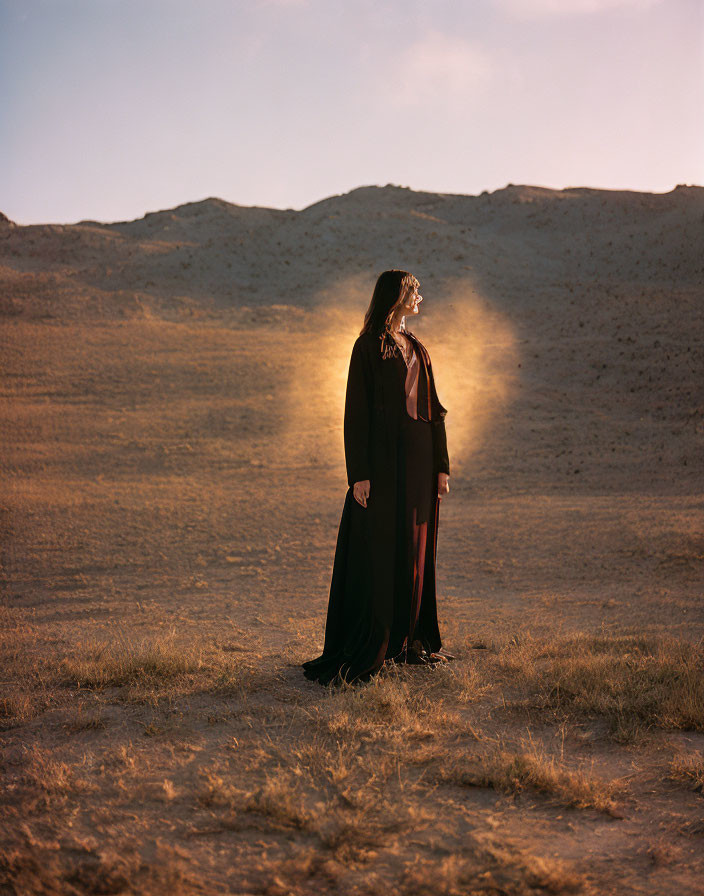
point(392, 186)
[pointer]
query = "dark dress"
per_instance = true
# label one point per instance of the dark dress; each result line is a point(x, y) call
point(382, 595)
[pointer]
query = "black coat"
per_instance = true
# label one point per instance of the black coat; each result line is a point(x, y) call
point(369, 595)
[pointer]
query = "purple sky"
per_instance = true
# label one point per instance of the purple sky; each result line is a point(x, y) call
point(112, 108)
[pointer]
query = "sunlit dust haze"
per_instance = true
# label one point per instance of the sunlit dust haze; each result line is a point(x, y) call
point(473, 351)
point(319, 361)
point(112, 109)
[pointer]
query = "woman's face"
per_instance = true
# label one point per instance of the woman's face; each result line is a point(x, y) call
point(412, 300)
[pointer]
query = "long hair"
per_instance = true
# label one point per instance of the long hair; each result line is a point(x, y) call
point(388, 293)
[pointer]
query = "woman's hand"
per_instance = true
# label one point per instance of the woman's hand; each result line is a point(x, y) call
point(360, 490)
point(443, 485)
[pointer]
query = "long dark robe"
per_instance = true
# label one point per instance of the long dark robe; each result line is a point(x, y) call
point(370, 592)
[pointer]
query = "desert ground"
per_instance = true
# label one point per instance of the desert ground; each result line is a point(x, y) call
point(172, 482)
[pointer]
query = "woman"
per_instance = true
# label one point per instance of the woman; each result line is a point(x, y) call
point(382, 604)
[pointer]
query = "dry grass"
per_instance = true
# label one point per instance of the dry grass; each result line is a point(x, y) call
point(353, 779)
point(121, 662)
point(635, 683)
point(390, 706)
point(489, 871)
point(23, 669)
point(41, 871)
point(279, 799)
point(43, 784)
point(530, 768)
point(144, 669)
point(688, 769)
point(18, 707)
point(43, 772)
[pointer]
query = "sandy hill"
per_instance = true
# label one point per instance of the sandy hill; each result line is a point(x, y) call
point(215, 255)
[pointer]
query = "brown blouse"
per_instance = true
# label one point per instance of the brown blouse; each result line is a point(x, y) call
point(412, 385)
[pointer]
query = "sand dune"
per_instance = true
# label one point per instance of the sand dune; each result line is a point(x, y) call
point(215, 255)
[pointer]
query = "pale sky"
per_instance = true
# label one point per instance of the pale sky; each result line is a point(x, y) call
point(113, 108)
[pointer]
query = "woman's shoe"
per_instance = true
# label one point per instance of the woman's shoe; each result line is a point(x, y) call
point(416, 659)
